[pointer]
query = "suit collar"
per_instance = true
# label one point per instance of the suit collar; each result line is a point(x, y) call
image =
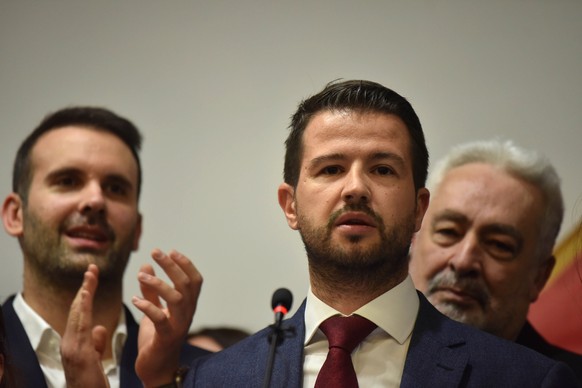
point(437, 353)
point(28, 372)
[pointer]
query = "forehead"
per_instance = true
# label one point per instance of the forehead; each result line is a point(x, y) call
point(83, 148)
point(356, 131)
point(486, 194)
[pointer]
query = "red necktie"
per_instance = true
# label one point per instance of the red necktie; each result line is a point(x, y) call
point(343, 335)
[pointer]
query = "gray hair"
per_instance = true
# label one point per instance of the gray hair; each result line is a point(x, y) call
point(527, 165)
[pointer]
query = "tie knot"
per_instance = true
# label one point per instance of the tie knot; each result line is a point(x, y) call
point(346, 332)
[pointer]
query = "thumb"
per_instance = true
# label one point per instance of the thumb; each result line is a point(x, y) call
point(99, 334)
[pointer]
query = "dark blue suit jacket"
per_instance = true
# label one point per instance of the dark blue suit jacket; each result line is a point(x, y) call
point(442, 353)
point(27, 370)
point(529, 337)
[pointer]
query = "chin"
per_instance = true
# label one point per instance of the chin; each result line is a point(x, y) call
point(463, 315)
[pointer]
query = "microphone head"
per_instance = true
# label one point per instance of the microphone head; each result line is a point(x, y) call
point(282, 297)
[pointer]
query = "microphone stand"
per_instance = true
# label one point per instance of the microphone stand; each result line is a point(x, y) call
point(281, 303)
point(274, 339)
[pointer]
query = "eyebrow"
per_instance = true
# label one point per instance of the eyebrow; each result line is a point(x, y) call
point(505, 229)
point(63, 171)
point(75, 171)
point(451, 215)
point(340, 156)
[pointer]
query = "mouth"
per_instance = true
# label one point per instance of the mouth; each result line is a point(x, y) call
point(457, 296)
point(352, 224)
point(355, 219)
point(88, 237)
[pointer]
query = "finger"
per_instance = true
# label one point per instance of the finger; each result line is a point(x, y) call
point(190, 289)
point(155, 314)
point(168, 264)
point(91, 279)
point(99, 334)
point(186, 278)
point(187, 267)
point(148, 292)
point(80, 314)
point(155, 286)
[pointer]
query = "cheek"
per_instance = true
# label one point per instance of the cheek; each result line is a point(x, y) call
point(435, 262)
point(429, 261)
point(433, 257)
point(315, 204)
point(50, 216)
point(504, 281)
point(124, 218)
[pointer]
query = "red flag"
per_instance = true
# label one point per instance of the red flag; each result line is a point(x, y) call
point(557, 314)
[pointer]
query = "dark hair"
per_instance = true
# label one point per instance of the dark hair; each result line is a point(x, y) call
point(356, 95)
point(93, 117)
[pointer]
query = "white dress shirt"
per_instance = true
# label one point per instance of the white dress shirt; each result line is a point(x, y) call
point(379, 359)
point(46, 343)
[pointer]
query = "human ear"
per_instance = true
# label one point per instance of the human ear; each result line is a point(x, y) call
point(286, 194)
point(422, 200)
point(12, 215)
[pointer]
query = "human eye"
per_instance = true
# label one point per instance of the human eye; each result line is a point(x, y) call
point(383, 170)
point(117, 188)
point(446, 233)
point(331, 170)
point(502, 248)
point(66, 181)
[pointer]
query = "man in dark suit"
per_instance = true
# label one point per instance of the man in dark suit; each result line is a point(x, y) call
point(76, 185)
point(484, 251)
point(355, 170)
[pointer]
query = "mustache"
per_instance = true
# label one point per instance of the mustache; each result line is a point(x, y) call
point(358, 207)
point(79, 220)
point(470, 286)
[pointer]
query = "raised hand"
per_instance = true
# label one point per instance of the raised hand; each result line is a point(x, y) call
point(82, 345)
point(165, 325)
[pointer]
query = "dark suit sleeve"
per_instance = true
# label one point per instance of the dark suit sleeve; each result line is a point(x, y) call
point(560, 375)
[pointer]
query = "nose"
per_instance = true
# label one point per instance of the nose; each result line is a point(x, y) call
point(356, 188)
point(467, 259)
point(92, 199)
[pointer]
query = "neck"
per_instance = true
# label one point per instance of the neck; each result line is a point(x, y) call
point(347, 292)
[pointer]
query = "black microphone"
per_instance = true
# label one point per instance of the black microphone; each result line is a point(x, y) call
point(281, 303)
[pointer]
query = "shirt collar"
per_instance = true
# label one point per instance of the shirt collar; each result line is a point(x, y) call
point(394, 311)
point(36, 328)
point(45, 339)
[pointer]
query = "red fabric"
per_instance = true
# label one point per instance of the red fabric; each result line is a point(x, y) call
point(343, 334)
point(557, 314)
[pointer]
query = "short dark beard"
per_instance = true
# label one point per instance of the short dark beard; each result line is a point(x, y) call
point(357, 268)
point(45, 252)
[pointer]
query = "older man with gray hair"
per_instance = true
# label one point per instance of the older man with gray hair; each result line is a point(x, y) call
point(484, 251)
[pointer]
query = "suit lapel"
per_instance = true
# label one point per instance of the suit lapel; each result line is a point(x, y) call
point(437, 356)
point(288, 364)
point(127, 375)
point(26, 367)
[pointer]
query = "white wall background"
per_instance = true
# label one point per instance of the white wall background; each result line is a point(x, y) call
point(212, 85)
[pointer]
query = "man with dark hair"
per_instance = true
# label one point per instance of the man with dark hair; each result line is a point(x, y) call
point(76, 185)
point(354, 189)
